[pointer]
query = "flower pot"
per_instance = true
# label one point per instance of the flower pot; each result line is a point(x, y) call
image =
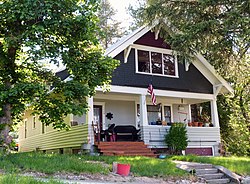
point(200, 124)
point(195, 124)
point(123, 169)
point(190, 124)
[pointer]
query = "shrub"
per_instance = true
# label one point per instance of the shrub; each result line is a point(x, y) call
point(176, 139)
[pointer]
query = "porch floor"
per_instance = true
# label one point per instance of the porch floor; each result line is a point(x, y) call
point(124, 149)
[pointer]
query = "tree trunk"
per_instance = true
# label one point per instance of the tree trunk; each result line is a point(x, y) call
point(6, 120)
point(6, 124)
point(5, 127)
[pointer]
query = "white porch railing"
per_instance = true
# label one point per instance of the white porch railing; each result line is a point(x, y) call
point(153, 136)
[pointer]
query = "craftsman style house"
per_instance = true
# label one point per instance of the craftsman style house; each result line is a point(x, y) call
point(179, 87)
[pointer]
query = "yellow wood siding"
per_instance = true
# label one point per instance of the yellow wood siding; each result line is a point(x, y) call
point(51, 138)
point(55, 139)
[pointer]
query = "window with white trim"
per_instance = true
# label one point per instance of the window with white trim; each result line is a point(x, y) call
point(157, 114)
point(156, 63)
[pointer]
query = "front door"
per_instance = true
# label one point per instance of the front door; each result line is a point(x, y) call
point(98, 116)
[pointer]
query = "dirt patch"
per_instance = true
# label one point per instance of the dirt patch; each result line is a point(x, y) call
point(113, 178)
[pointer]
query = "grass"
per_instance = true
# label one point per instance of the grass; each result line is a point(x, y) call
point(52, 163)
point(239, 165)
point(48, 163)
point(15, 179)
point(140, 166)
point(144, 166)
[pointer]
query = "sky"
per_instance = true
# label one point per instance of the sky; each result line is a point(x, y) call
point(122, 15)
point(121, 6)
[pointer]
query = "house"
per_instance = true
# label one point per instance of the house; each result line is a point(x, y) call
point(179, 87)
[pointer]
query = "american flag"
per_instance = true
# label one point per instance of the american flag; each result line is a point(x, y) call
point(151, 92)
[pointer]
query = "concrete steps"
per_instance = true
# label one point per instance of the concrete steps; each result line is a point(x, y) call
point(218, 181)
point(211, 176)
point(205, 172)
point(124, 149)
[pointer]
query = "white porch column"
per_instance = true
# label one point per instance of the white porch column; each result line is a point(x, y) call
point(143, 111)
point(214, 113)
point(189, 114)
point(90, 120)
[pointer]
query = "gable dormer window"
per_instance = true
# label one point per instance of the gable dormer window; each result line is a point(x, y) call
point(154, 62)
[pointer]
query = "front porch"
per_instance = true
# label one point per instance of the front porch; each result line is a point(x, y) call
point(134, 109)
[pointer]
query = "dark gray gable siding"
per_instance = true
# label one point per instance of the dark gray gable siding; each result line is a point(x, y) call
point(188, 81)
point(63, 74)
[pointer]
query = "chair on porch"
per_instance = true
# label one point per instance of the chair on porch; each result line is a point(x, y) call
point(109, 133)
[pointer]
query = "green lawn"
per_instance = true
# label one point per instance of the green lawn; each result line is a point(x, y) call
point(239, 165)
point(15, 179)
point(52, 163)
point(140, 166)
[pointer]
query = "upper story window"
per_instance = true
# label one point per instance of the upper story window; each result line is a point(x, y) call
point(156, 63)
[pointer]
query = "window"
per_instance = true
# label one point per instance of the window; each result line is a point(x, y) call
point(34, 121)
point(156, 63)
point(25, 129)
point(155, 116)
point(78, 120)
point(143, 61)
point(169, 64)
point(167, 114)
point(43, 128)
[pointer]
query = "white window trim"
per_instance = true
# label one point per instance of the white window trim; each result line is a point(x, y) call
point(136, 123)
point(162, 112)
point(103, 113)
point(171, 109)
point(158, 50)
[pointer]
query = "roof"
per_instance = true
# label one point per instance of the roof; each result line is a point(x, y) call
point(200, 62)
point(125, 41)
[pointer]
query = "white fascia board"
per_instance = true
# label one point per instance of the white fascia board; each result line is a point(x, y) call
point(121, 45)
point(69, 78)
point(212, 70)
point(164, 93)
point(205, 71)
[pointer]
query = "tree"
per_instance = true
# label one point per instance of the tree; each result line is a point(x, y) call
point(136, 15)
point(110, 29)
point(220, 31)
point(34, 30)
